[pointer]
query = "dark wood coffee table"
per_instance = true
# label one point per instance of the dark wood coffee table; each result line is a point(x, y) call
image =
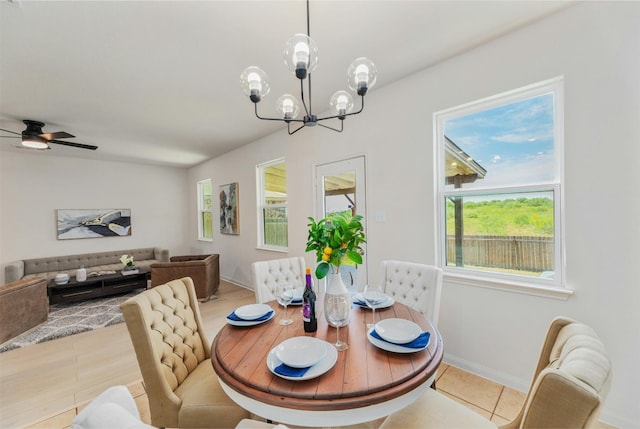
point(95, 287)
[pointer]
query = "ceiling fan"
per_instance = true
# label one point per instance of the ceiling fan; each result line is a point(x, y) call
point(33, 137)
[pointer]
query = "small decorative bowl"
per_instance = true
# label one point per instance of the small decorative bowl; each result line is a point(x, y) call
point(61, 278)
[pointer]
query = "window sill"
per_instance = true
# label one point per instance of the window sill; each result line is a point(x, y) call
point(515, 287)
point(273, 249)
point(210, 240)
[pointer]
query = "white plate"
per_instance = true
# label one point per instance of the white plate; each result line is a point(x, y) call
point(301, 352)
point(392, 347)
point(252, 311)
point(317, 370)
point(399, 331)
point(249, 322)
point(297, 297)
point(358, 299)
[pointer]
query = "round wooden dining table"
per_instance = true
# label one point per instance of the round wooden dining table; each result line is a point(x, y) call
point(366, 382)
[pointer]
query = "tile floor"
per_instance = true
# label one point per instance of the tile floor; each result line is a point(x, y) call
point(494, 401)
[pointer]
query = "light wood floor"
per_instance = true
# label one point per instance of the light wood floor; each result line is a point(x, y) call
point(44, 385)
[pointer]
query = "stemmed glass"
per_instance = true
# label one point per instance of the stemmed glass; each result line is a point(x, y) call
point(373, 297)
point(284, 295)
point(337, 309)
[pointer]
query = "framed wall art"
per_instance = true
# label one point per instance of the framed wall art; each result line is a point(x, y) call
point(229, 210)
point(93, 223)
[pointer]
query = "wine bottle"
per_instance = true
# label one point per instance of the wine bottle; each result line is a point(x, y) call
point(309, 305)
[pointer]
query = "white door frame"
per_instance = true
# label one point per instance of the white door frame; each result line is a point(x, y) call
point(356, 164)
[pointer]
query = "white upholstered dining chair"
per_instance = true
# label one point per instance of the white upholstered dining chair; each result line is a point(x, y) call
point(268, 274)
point(415, 285)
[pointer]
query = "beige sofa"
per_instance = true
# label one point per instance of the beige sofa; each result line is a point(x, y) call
point(93, 262)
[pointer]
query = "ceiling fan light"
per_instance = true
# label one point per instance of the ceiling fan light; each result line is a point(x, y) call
point(254, 83)
point(34, 142)
point(288, 107)
point(362, 75)
point(341, 103)
point(301, 55)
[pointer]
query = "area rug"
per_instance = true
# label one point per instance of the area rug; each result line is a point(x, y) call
point(72, 318)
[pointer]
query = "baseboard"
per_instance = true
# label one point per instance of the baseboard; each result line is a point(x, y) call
point(488, 373)
point(233, 282)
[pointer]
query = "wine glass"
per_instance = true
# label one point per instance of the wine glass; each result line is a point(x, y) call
point(337, 309)
point(284, 295)
point(373, 297)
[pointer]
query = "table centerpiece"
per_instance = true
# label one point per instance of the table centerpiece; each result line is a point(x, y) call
point(334, 238)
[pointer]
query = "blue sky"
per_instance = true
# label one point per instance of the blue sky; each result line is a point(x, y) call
point(513, 142)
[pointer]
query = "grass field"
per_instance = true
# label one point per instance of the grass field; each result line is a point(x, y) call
point(513, 217)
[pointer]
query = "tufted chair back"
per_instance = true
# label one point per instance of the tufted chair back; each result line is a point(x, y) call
point(173, 353)
point(571, 381)
point(268, 274)
point(415, 285)
point(569, 387)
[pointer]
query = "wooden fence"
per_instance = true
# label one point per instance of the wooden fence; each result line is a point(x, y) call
point(505, 252)
point(275, 232)
point(491, 251)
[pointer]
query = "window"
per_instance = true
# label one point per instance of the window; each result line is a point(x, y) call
point(272, 205)
point(499, 181)
point(205, 218)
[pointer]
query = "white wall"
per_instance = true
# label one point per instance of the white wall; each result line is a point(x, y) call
point(494, 333)
point(33, 186)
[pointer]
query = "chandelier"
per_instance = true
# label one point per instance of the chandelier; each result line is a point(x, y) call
point(301, 57)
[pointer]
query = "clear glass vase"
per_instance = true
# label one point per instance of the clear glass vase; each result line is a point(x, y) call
point(335, 286)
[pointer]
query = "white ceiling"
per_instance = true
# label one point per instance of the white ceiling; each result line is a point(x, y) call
point(157, 81)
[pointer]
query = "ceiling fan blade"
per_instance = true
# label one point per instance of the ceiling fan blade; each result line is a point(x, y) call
point(56, 135)
point(78, 145)
point(12, 132)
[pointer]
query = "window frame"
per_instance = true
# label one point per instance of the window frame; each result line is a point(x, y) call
point(202, 210)
point(555, 287)
point(260, 205)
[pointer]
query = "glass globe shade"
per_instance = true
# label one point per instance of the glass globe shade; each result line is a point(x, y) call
point(254, 83)
point(287, 106)
point(301, 55)
point(341, 103)
point(362, 75)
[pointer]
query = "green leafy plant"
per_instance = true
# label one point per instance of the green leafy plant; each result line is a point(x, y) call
point(333, 238)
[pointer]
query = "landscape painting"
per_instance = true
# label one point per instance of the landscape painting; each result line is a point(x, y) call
point(93, 223)
point(229, 216)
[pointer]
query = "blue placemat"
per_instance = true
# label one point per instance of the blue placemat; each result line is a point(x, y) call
point(418, 343)
point(233, 316)
point(288, 371)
